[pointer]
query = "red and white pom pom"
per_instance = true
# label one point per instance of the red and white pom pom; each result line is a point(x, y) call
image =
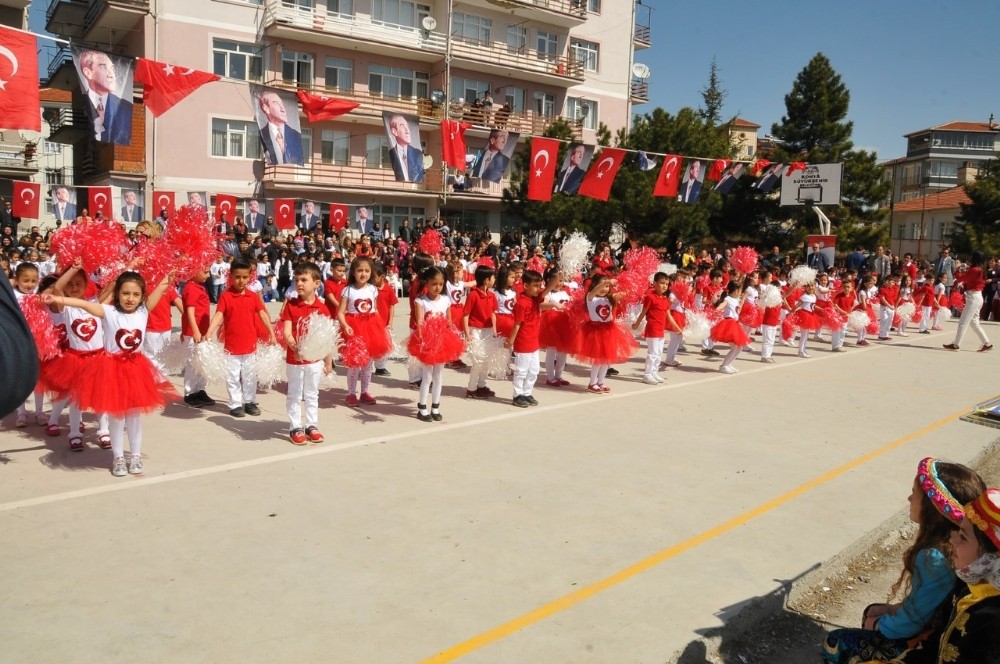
point(192, 240)
point(486, 261)
point(537, 263)
point(905, 311)
point(858, 320)
point(697, 328)
point(640, 266)
point(744, 259)
point(46, 336)
point(318, 337)
point(97, 244)
point(831, 318)
point(431, 242)
point(209, 362)
point(173, 356)
point(770, 296)
point(155, 259)
point(682, 291)
point(957, 301)
point(802, 275)
point(573, 254)
point(354, 354)
point(267, 364)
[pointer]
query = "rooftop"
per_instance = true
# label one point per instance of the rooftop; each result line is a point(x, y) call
point(959, 125)
point(948, 199)
point(740, 122)
point(55, 94)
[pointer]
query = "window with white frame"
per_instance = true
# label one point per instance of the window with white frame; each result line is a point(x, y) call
point(236, 60)
point(339, 74)
point(545, 104)
point(594, 6)
point(235, 139)
point(583, 110)
point(54, 176)
point(342, 8)
point(307, 145)
point(398, 82)
point(377, 151)
point(472, 28)
point(467, 88)
point(335, 147)
point(517, 38)
point(399, 13)
point(298, 4)
point(586, 52)
point(945, 230)
point(297, 67)
point(51, 147)
point(515, 98)
point(547, 45)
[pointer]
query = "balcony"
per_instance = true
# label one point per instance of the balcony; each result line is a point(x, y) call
point(16, 160)
point(639, 92)
point(62, 56)
point(518, 63)
point(564, 13)
point(360, 33)
point(16, 4)
point(65, 17)
point(319, 176)
point(641, 36)
point(371, 105)
point(110, 21)
point(68, 125)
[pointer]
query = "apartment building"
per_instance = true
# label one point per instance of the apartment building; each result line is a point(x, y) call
point(428, 58)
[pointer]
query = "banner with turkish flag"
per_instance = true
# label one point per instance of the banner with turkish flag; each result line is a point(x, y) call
point(601, 175)
point(338, 217)
point(25, 203)
point(542, 168)
point(320, 107)
point(669, 178)
point(163, 201)
point(164, 85)
point(284, 213)
point(453, 143)
point(99, 200)
point(225, 206)
point(719, 166)
point(19, 104)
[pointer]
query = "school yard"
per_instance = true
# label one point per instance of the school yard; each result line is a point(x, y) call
point(592, 528)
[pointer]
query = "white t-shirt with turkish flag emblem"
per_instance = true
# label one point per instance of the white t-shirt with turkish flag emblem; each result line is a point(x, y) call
point(123, 332)
point(84, 332)
point(600, 309)
point(361, 300)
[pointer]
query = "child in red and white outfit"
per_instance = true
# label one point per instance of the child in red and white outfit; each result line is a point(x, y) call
point(386, 305)
point(676, 318)
point(905, 295)
point(655, 306)
point(479, 321)
point(556, 333)
point(160, 325)
point(888, 296)
point(418, 264)
point(728, 330)
point(844, 302)
point(866, 296)
point(770, 321)
point(25, 283)
point(708, 289)
point(121, 381)
point(506, 299)
point(524, 337)
point(924, 297)
point(805, 316)
point(361, 324)
point(824, 293)
point(194, 326)
point(435, 342)
point(603, 340)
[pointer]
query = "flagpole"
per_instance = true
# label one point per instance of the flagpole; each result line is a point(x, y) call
point(447, 96)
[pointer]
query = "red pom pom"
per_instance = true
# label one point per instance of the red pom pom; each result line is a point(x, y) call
point(354, 354)
point(192, 240)
point(682, 291)
point(97, 243)
point(957, 301)
point(486, 261)
point(744, 259)
point(431, 242)
point(640, 265)
point(436, 342)
point(537, 263)
point(47, 337)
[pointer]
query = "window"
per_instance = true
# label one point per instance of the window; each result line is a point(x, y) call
point(584, 110)
point(377, 151)
point(468, 89)
point(298, 4)
point(585, 52)
point(547, 44)
point(942, 169)
point(393, 216)
point(335, 147)
point(51, 147)
point(235, 139)
point(594, 6)
point(945, 230)
point(545, 104)
point(399, 13)
point(307, 145)
point(343, 8)
point(54, 176)
point(472, 28)
point(515, 98)
point(297, 68)
point(398, 82)
point(236, 60)
point(517, 38)
point(339, 74)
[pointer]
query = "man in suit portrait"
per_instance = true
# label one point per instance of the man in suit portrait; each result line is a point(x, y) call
point(407, 159)
point(729, 178)
point(569, 178)
point(691, 184)
point(364, 224)
point(282, 143)
point(63, 207)
point(255, 216)
point(770, 178)
point(492, 163)
point(131, 211)
point(308, 219)
point(111, 115)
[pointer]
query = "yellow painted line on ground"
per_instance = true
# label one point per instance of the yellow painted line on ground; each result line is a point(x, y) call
point(567, 601)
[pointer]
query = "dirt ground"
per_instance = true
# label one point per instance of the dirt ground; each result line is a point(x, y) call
point(789, 625)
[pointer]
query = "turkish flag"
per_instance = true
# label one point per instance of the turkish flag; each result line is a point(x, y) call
point(25, 203)
point(796, 166)
point(601, 175)
point(719, 166)
point(163, 200)
point(669, 178)
point(99, 200)
point(542, 171)
point(284, 213)
point(338, 217)
point(319, 107)
point(225, 205)
point(19, 105)
point(164, 85)
point(759, 166)
point(453, 143)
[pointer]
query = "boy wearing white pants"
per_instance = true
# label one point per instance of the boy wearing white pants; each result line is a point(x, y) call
point(159, 326)
point(194, 325)
point(479, 320)
point(524, 338)
point(654, 309)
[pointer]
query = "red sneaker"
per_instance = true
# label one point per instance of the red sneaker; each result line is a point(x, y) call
point(367, 399)
point(351, 400)
point(563, 383)
point(297, 436)
point(104, 441)
point(314, 435)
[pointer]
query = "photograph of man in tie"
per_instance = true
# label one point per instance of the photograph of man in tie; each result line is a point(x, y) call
point(729, 178)
point(574, 166)
point(279, 134)
point(404, 147)
point(131, 211)
point(308, 218)
point(691, 184)
point(255, 216)
point(493, 161)
point(107, 85)
point(63, 203)
point(769, 178)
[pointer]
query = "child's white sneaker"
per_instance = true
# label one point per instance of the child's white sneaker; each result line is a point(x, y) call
point(650, 380)
point(118, 468)
point(135, 464)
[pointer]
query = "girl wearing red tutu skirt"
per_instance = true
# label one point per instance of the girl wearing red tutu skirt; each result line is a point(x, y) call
point(805, 318)
point(122, 381)
point(358, 314)
point(603, 340)
point(867, 295)
point(435, 342)
point(457, 291)
point(556, 335)
point(506, 298)
point(824, 292)
point(750, 314)
point(84, 342)
point(728, 330)
point(680, 298)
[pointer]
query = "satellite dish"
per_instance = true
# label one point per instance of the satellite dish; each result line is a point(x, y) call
point(583, 110)
point(641, 71)
point(429, 23)
point(437, 97)
point(428, 161)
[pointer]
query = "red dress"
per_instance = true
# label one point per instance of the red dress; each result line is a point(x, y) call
point(505, 312)
point(436, 340)
point(557, 331)
point(603, 340)
point(362, 316)
point(728, 330)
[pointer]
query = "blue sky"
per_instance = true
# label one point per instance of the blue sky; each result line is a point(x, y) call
point(909, 64)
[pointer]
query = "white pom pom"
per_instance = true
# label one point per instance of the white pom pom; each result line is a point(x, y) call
point(497, 358)
point(905, 311)
point(858, 320)
point(698, 328)
point(802, 275)
point(398, 351)
point(318, 336)
point(173, 357)
point(632, 314)
point(667, 268)
point(573, 254)
point(328, 381)
point(770, 296)
point(267, 364)
point(209, 362)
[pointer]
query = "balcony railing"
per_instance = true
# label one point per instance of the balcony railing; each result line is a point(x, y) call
point(525, 59)
point(67, 118)
point(639, 91)
point(576, 8)
point(97, 6)
point(54, 5)
point(61, 57)
point(350, 177)
point(642, 34)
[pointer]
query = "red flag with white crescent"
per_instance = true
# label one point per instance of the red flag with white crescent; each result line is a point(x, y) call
point(453, 142)
point(669, 178)
point(25, 203)
point(163, 85)
point(759, 166)
point(338, 217)
point(321, 107)
point(225, 205)
point(99, 200)
point(601, 174)
point(163, 201)
point(542, 168)
point(284, 213)
point(19, 81)
point(719, 167)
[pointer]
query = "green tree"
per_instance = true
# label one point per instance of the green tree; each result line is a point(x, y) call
point(713, 96)
point(978, 227)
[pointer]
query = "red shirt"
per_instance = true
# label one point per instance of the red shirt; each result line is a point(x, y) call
point(656, 315)
point(335, 289)
point(194, 296)
point(527, 312)
point(240, 313)
point(889, 294)
point(845, 301)
point(479, 307)
point(386, 299)
point(295, 310)
point(972, 279)
point(160, 317)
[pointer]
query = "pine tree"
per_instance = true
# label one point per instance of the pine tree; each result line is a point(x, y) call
point(713, 96)
point(978, 226)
